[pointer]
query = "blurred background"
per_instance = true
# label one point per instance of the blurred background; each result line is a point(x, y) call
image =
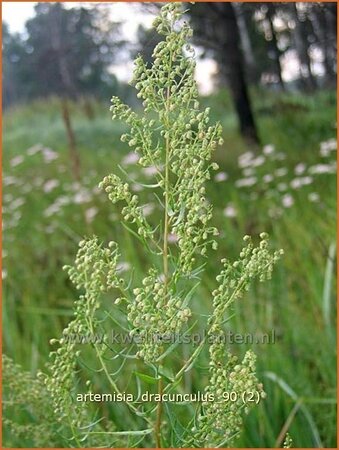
point(268, 71)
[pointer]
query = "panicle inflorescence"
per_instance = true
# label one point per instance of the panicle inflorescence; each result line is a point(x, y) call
point(288, 442)
point(175, 138)
point(221, 421)
point(26, 396)
point(155, 312)
point(95, 272)
point(132, 212)
point(236, 277)
point(95, 268)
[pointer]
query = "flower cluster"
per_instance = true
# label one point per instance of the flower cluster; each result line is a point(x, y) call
point(95, 271)
point(278, 183)
point(235, 278)
point(171, 74)
point(154, 312)
point(177, 140)
point(288, 442)
point(95, 268)
point(25, 396)
point(173, 141)
point(132, 212)
point(192, 167)
point(220, 421)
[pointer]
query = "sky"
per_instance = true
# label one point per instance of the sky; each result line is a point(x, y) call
point(16, 14)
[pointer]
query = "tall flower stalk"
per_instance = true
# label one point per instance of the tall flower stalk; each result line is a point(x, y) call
point(174, 136)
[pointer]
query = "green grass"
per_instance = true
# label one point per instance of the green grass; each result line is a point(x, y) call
point(298, 303)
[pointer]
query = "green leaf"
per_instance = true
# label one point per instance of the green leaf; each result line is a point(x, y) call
point(165, 374)
point(146, 378)
point(124, 433)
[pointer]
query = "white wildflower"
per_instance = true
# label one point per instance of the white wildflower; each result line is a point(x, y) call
point(327, 147)
point(244, 182)
point(149, 171)
point(268, 149)
point(245, 160)
point(52, 210)
point(123, 266)
point(63, 200)
point(82, 196)
point(306, 180)
point(34, 150)
point(248, 172)
point(268, 178)
point(258, 161)
point(221, 176)
point(15, 204)
point(313, 197)
point(147, 209)
point(287, 201)
point(281, 172)
point(90, 213)
point(322, 168)
point(9, 180)
point(300, 168)
point(230, 211)
point(17, 160)
point(135, 187)
point(172, 238)
point(50, 185)
point(49, 155)
point(7, 198)
point(296, 183)
point(130, 158)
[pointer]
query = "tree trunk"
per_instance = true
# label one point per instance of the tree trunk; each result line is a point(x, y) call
point(232, 66)
point(73, 151)
point(69, 91)
point(300, 37)
point(319, 26)
point(216, 29)
point(245, 40)
point(274, 45)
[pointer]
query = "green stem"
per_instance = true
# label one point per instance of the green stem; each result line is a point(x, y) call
point(157, 426)
point(108, 376)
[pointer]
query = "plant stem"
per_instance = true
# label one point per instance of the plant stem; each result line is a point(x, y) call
point(108, 376)
point(157, 432)
point(158, 417)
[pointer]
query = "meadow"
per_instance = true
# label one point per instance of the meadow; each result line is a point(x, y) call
point(286, 188)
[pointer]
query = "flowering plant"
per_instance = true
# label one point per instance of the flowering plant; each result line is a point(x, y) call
point(176, 138)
